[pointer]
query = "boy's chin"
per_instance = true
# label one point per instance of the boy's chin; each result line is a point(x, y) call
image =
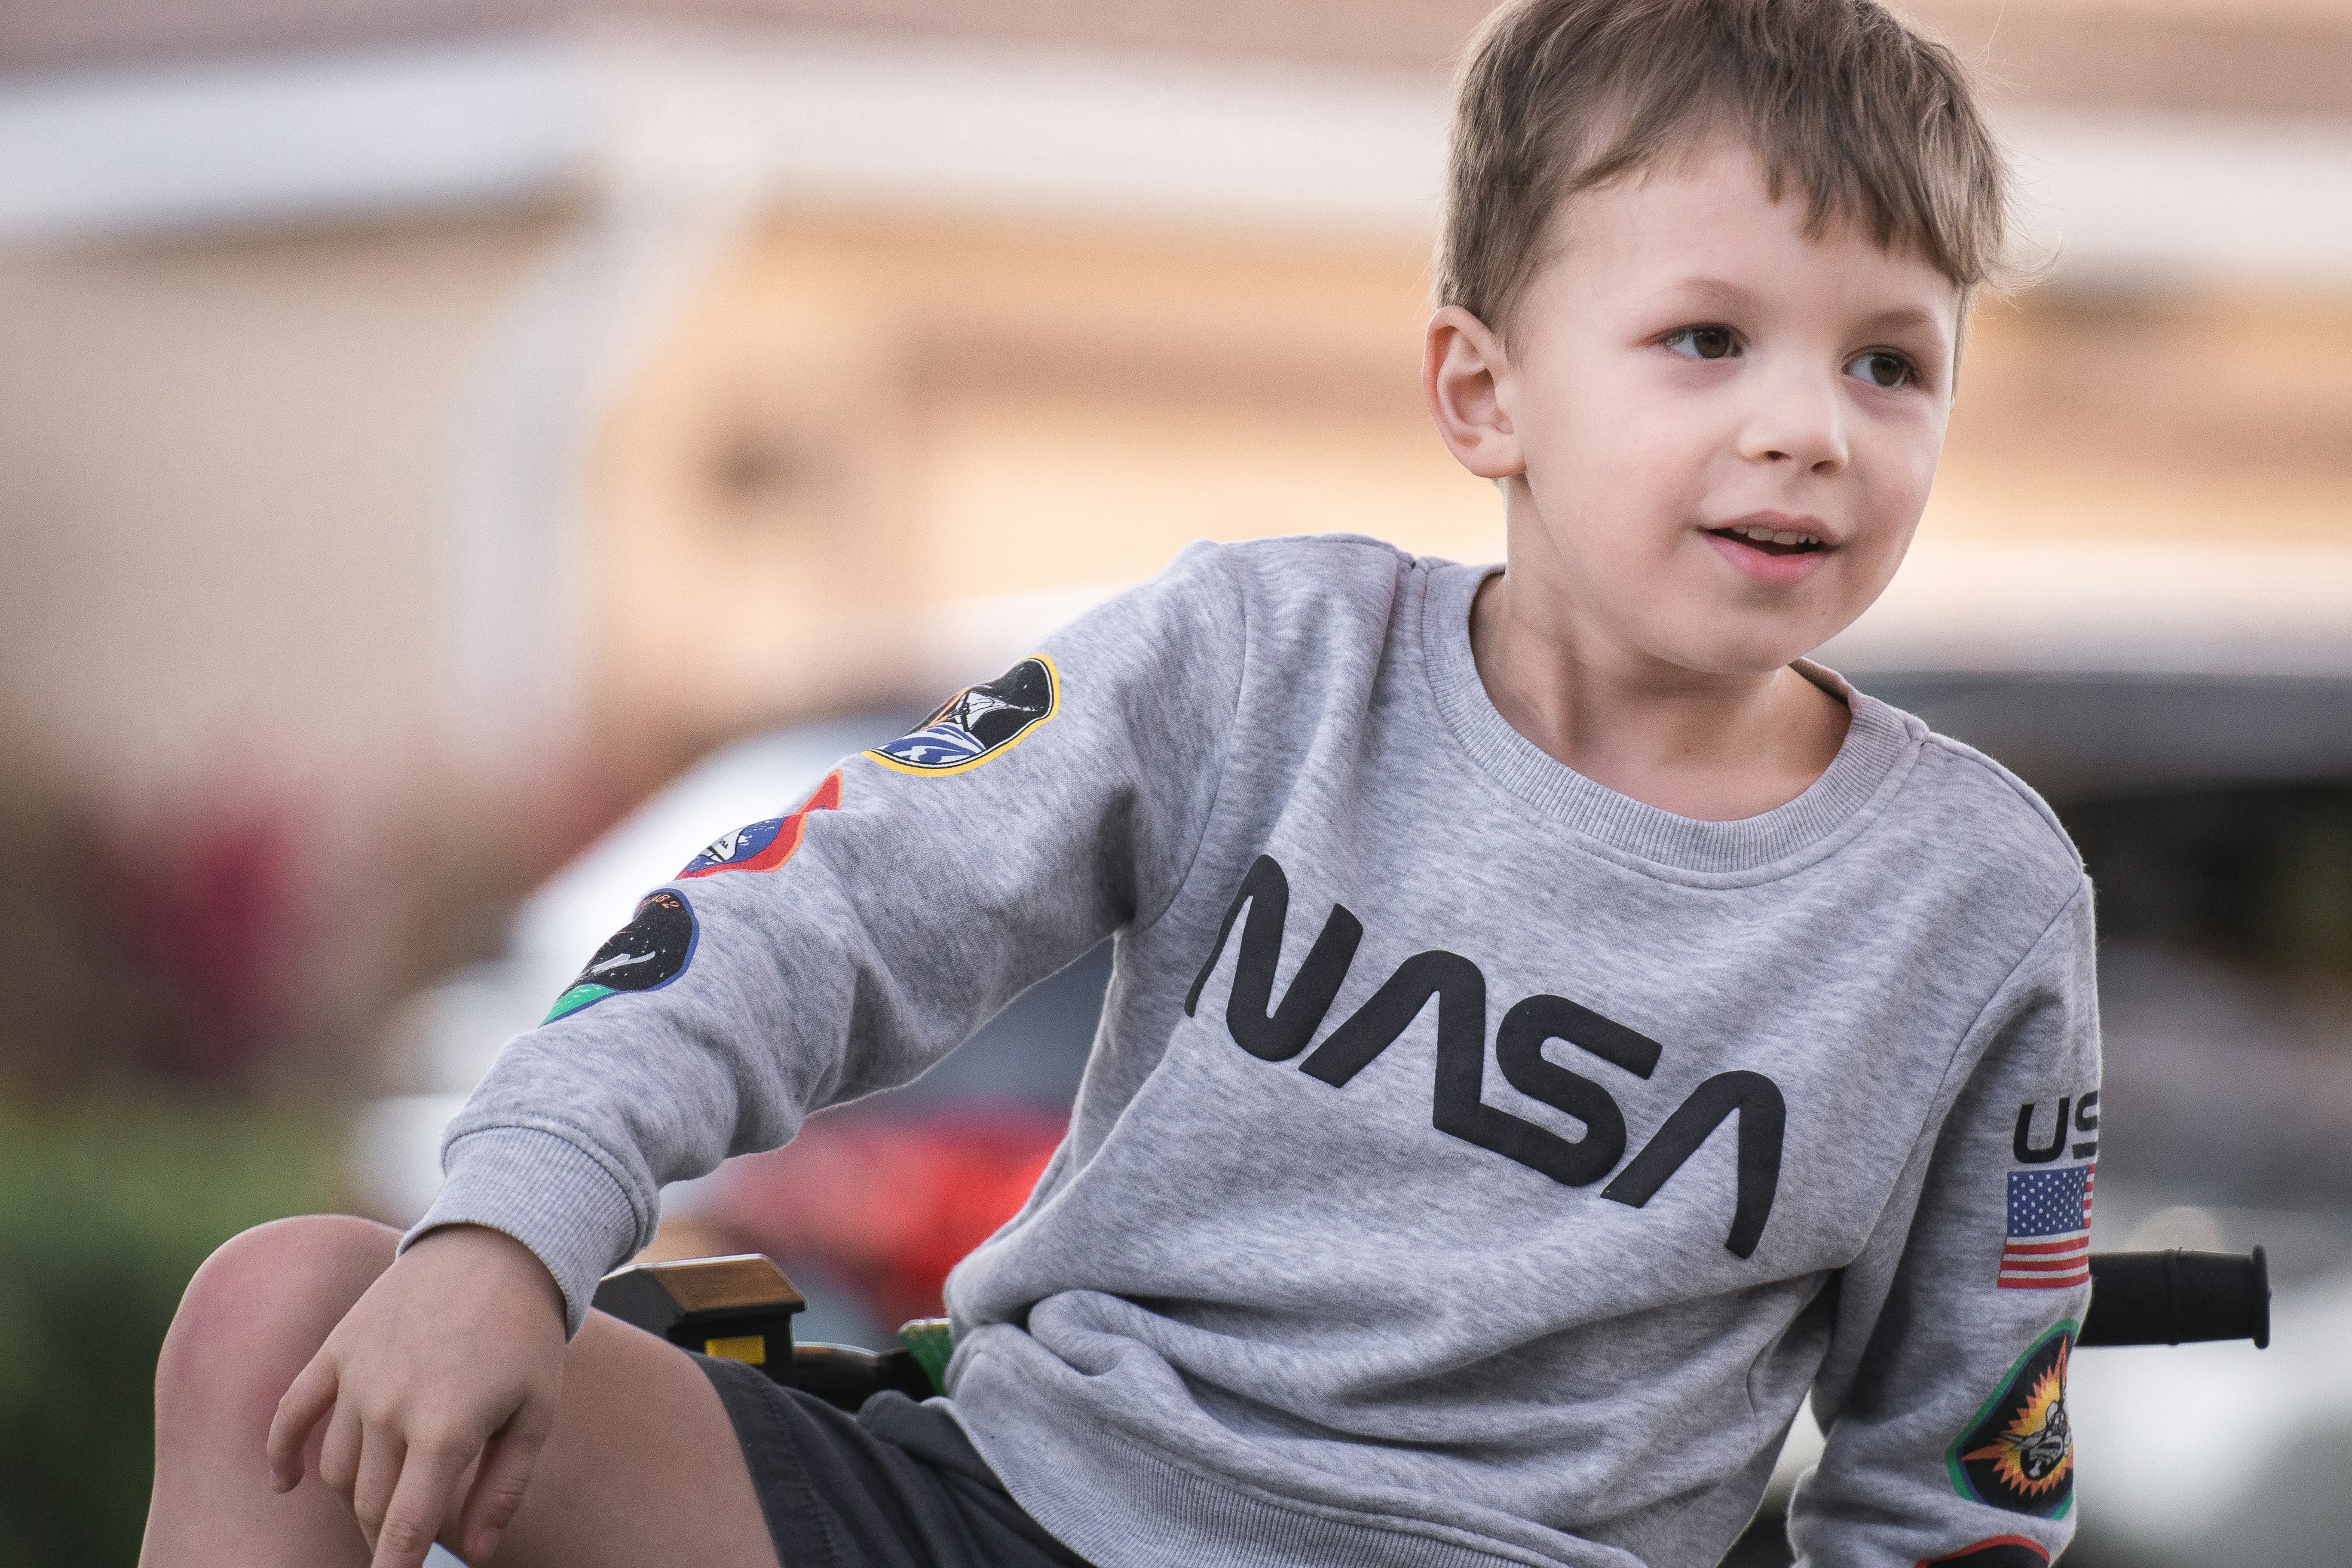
point(1736, 656)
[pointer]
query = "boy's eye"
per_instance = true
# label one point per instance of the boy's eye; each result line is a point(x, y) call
point(1701, 342)
point(1882, 368)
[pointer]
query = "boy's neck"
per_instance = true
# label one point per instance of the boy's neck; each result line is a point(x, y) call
point(1713, 747)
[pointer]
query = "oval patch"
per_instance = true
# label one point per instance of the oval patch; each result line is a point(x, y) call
point(979, 721)
point(648, 954)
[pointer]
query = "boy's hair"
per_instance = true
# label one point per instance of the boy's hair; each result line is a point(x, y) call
point(1873, 122)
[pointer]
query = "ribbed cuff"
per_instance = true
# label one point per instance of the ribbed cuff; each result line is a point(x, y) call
point(548, 1194)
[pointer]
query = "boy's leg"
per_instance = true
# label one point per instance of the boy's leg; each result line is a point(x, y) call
point(643, 1463)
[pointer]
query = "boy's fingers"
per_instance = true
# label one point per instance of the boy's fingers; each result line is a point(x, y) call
point(498, 1489)
point(412, 1516)
point(381, 1461)
point(338, 1455)
point(310, 1397)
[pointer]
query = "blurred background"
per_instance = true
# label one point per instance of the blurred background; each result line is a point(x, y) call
point(457, 456)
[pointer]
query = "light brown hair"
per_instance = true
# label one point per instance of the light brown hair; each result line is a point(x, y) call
point(1873, 122)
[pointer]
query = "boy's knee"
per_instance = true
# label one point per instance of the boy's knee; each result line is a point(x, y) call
point(265, 1300)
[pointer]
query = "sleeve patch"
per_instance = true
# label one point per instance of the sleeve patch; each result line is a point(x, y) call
point(2047, 1243)
point(2019, 1453)
point(646, 954)
point(979, 721)
point(764, 846)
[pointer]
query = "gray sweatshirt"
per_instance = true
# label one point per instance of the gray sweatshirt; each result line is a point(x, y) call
point(1475, 1166)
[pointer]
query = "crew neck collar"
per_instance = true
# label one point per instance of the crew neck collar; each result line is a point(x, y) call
point(1881, 742)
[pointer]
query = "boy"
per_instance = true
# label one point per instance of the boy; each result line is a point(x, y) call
point(1554, 1026)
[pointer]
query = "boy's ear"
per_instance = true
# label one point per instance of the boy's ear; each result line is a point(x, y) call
point(1467, 377)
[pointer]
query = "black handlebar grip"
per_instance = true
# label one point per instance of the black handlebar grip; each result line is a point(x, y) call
point(2177, 1298)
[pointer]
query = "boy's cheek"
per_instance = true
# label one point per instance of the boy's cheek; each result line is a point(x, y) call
point(1897, 467)
point(1892, 510)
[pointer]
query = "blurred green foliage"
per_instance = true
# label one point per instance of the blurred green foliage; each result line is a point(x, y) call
point(106, 1209)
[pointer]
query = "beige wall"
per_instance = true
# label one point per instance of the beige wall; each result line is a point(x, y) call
point(227, 465)
point(852, 421)
point(2210, 416)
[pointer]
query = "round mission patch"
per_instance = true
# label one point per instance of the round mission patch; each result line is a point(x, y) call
point(979, 721)
point(649, 953)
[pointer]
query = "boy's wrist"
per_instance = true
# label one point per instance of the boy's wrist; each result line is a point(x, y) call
point(480, 1250)
point(546, 1192)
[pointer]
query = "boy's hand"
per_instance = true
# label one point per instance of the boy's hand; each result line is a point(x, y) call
point(454, 1354)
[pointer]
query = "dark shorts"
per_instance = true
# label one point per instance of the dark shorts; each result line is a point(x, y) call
point(897, 1485)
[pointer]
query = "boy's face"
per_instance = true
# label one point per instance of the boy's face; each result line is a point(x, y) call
point(1688, 377)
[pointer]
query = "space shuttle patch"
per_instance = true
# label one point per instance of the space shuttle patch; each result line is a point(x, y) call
point(979, 722)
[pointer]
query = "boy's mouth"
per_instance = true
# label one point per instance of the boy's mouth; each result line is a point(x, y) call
point(1770, 541)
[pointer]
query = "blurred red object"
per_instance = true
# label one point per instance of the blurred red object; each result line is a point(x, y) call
point(210, 910)
point(893, 1201)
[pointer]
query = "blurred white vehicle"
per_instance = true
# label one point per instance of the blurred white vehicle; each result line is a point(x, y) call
point(1033, 1052)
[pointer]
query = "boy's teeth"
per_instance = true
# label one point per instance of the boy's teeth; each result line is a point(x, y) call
point(1764, 535)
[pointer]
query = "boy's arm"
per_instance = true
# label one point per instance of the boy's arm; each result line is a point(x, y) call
point(1944, 1394)
point(847, 947)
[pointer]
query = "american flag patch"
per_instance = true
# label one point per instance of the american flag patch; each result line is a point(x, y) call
point(2049, 1242)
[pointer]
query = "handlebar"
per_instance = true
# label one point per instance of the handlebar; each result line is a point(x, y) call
point(2177, 1298)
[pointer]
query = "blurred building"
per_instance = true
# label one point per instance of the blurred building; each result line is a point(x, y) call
point(383, 384)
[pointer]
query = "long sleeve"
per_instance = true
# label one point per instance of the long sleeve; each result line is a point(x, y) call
point(846, 944)
point(1943, 1396)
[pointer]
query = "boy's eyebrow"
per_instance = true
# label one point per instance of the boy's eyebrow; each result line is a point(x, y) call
point(1903, 316)
point(1716, 291)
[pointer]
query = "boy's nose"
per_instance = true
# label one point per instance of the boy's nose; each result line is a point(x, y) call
point(1797, 423)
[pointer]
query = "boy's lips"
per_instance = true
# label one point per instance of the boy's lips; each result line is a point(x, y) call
point(1772, 547)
